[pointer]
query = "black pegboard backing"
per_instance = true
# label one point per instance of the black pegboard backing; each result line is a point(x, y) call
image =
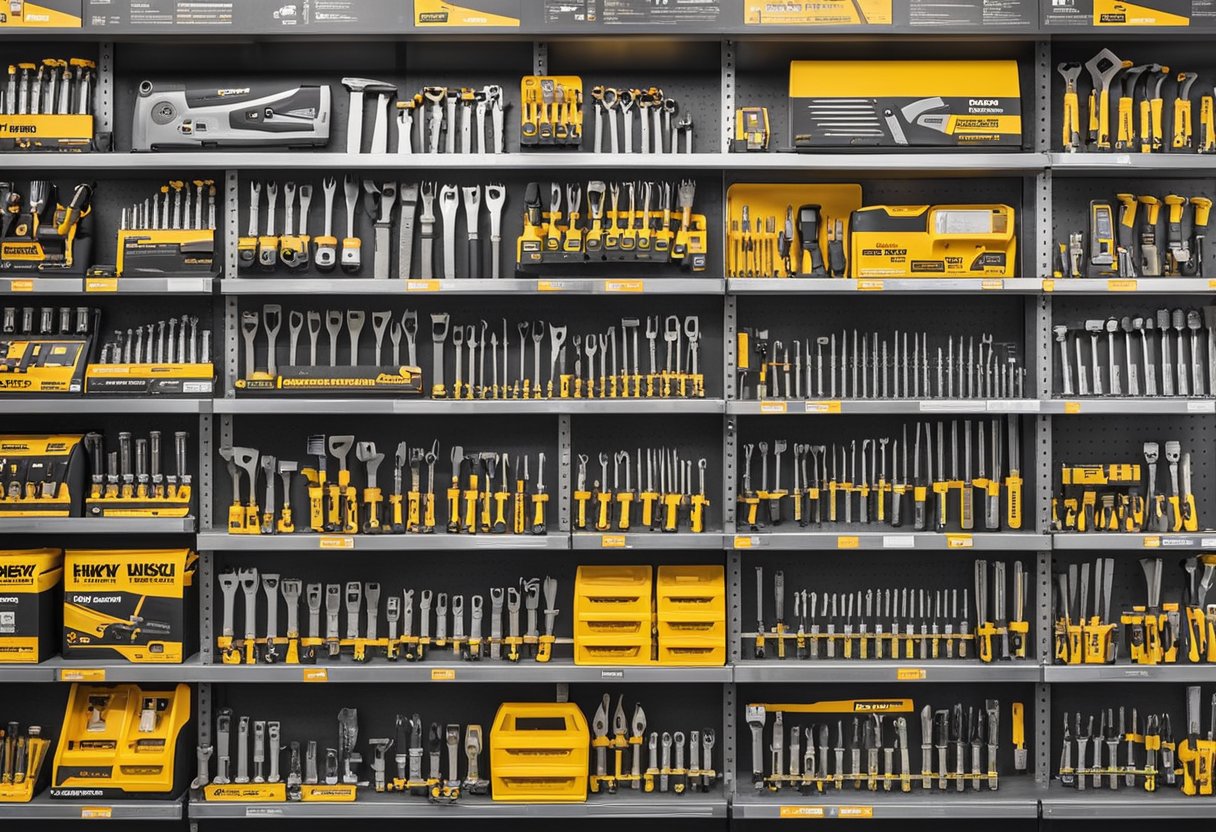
point(1127, 588)
point(706, 201)
point(312, 713)
point(938, 695)
point(696, 437)
point(1074, 312)
point(268, 62)
point(876, 572)
point(1160, 698)
point(285, 437)
point(1111, 439)
point(763, 78)
point(1177, 55)
point(579, 319)
point(804, 319)
point(1070, 210)
point(450, 574)
point(826, 431)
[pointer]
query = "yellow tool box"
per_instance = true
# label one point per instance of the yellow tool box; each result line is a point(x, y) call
point(890, 241)
point(28, 614)
point(122, 741)
point(165, 251)
point(781, 230)
point(691, 607)
point(137, 606)
point(531, 760)
point(41, 476)
point(551, 114)
point(612, 615)
point(42, 364)
point(883, 104)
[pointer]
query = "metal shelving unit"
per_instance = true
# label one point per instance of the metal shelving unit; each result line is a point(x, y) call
point(1015, 798)
point(302, 542)
point(885, 671)
point(43, 807)
point(558, 286)
point(895, 539)
point(1060, 803)
point(425, 407)
point(96, 525)
point(100, 404)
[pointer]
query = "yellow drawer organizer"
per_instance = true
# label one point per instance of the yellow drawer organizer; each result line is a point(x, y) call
point(539, 753)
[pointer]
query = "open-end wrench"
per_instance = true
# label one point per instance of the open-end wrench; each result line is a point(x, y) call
point(352, 257)
point(268, 245)
point(355, 319)
point(333, 324)
point(272, 320)
point(449, 204)
point(380, 321)
point(314, 330)
point(325, 253)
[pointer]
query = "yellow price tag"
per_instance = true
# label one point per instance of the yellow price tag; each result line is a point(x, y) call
point(551, 285)
point(774, 407)
point(422, 285)
point(848, 812)
point(101, 284)
point(335, 541)
point(21, 286)
point(633, 286)
point(1072, 408)
point(96, 812)
point(316, 674)
point(443, 674)
point(1152, 541)
point(848, 542)
point(744, 541)
point(612, 541)
point(831, 406)
point(910, 674)
point(1049, 285)
point(82, 674)
point(793, 812)
point(870, 285)
point(992, 284)
point(959, 541)
point(1121, 285)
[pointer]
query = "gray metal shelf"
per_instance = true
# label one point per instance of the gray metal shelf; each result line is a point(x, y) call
point(96, 525)
point(838, 286)
point(1150, 542)
point(647, 540)
point(624, 804)
point(1180, 673)
point(880, 406)
point(424, 406)
point(1060, 803)
point(96, 404)
point(14, 673)
point(224, 542)
point(43, 807)
point(1143, 286)
point(883, 671)
point(709, 286)
point(64, 670)
point(1017, 797)
point(891, 540)
point(1120, 164)
point(34, 284)
point(1130, 407)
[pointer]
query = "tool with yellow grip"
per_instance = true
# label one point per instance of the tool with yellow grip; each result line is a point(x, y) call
point(1184, 137)
point(1103, 68)
point(1071, 122)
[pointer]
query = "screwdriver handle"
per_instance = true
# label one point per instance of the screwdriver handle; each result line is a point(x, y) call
point(1013, 501)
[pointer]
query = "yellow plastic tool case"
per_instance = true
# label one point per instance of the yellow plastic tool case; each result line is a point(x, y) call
point(966, 241)
point(691, 607)
point(133, 605)
point(29, 615)
point(22, 785)
point(539, 753)
point(613, 614)
point(884, 104)
point(123, 741)
point(41, 476)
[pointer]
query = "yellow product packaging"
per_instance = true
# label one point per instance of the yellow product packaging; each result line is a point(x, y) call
point(28, 613)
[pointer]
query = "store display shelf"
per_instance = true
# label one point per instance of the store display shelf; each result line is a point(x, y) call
point(37, 285)
point(894, 539)
point(1125, 164)
point(1016, 797)
point(43, 807)
point(841, 286)
point(1061, 802)
point(97, 404)
point(1130, 407)
point(424, 406)
point(96, 525)
point(1097, 541)
point(771, 407)
point(577, 286)
point(1180, 673)
point(793, 669)
point(1142, 285)
point(624, 804)
point(74, 670)
point(647, 540)
point(224, 542)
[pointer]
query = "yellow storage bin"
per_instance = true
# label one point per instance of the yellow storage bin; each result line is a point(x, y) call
point(692, 653)
point(539, 753)
point(691, 609)
point(615, 589)
point(613, 615)
point(611, 650)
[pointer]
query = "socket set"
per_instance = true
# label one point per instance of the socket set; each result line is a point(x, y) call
point(132, 482)
point(48, 104)
point(172, 233)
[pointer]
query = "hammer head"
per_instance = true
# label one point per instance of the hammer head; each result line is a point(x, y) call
point(368, 85)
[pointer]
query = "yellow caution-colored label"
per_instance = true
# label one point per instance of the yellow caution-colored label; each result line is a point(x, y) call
point(82, 674)
point(612, 541)
point(774, 407)
point(870, 285)
point(633, 286)
point(423, 286)
point(1072, 408)
point(959, 541)
point(101, 284)
point(443, 674)
point(1123, 13)
point(96, 812)
point(744, 541)
point(1152, 541)
point(855, 812)
point(848, 541)
point(992, 285)
point(1049, 285)
point(551, 285)
point(21, 286)
point(451, 15)
point(832, 406)
point(335, 541)
point(910, 674)
point(1121, 285)
point(793, 812)
point(315, 674)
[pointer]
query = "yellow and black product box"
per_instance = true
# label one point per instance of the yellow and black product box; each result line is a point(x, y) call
point(59, 244)
point(309, 381)
point(1119, 13)
point(41, 476)
point(166, 252)
point(964, 241)
point(133, 605)
point(29, 613)
point(41, 14)
point(883, 104)
point(150, 379)
point(43, 364)
point(818, 13)
point(70, 133)
point(123, 741)
point(477, 14)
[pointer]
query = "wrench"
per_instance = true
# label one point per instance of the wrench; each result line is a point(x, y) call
point(351, 255)
point(325, 255)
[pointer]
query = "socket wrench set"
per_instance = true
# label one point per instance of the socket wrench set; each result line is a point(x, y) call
point(48, 105)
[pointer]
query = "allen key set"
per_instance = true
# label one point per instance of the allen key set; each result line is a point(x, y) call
point(877, 366)
point(358, 604)
point(899, 624)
